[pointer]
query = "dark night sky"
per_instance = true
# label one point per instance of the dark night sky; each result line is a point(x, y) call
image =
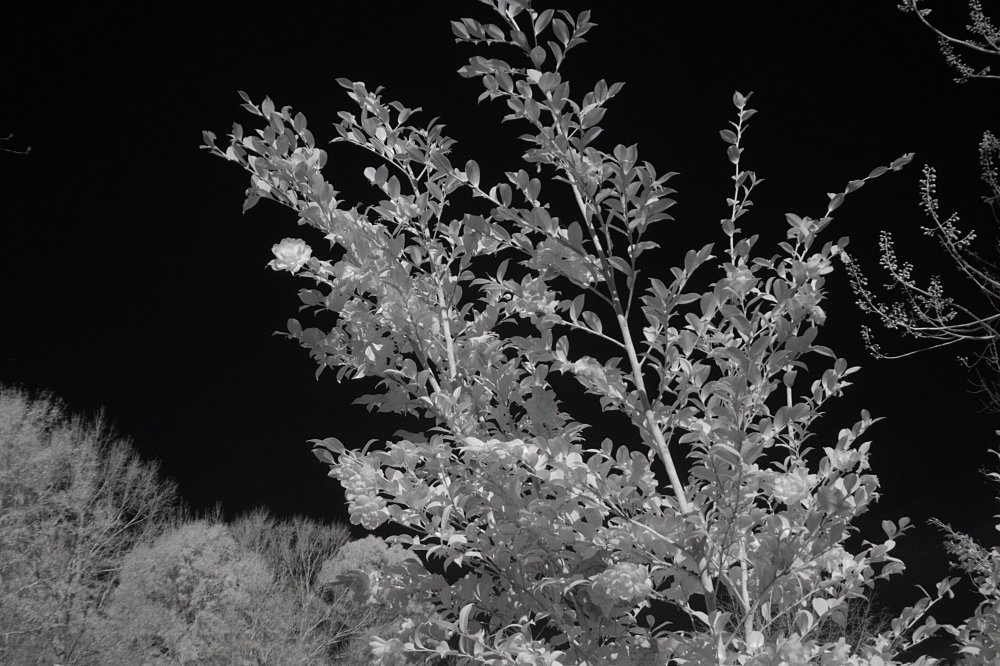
point(131, 280)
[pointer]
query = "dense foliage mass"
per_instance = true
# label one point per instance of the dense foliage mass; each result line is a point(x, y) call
point(555, 548)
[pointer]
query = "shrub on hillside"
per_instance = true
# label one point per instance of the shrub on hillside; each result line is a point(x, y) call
point(195, 596)
point(295, 548)
point(73, 501)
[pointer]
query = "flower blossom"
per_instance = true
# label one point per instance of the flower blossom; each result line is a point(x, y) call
point(841, 458)
point(368, 511)
point(837, 562)
point(792, 487)
point(359, 480)
point(291, 254)
point(624, 581)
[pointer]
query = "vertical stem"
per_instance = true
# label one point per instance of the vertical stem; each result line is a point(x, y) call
point(661, 444)
point(789, 402)
point(654, 428)
point(640, 385)
point(446, 327)
point(744, 591)
point(650, 418)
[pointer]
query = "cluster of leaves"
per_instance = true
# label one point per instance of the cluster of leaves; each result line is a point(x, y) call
point(554, 550)
point(100, 564)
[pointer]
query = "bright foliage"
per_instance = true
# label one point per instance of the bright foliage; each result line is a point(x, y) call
point(556, 549)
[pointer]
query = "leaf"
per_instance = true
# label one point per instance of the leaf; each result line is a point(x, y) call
point(804, 621)
point(728, 136)
point(900, 162)
point(502, 270)
point(708, 304)
point(562, 32)
point(877, 171)
point(821, 606)
point(494, 31)
point(593, 117)
point(542, 21)
point(463, 618)
point(250, 201)
point(538, 56)
point(548, 81)
point(593, 321)
point(324, 455)
point(619, 264)
point(459, 29)
point(576, 307)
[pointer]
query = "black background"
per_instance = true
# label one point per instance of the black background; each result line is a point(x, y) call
point(132, 282)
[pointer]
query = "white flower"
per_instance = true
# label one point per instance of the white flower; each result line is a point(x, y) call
point(842, 459)
point(368, 511)
point(291, 254)
point(792, 487)
point(361, 480)
point(625, 581)
point(837, 561)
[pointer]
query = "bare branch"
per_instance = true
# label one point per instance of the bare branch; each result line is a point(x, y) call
point(986, 40)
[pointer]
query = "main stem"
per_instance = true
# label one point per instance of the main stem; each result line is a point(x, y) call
point(446, 327)
point(650, 418)
point(640, 385)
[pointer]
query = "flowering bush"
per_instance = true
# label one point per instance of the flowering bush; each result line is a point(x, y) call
point(555, 548)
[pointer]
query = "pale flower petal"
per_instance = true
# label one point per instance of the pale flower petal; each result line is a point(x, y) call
point(291, 254)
